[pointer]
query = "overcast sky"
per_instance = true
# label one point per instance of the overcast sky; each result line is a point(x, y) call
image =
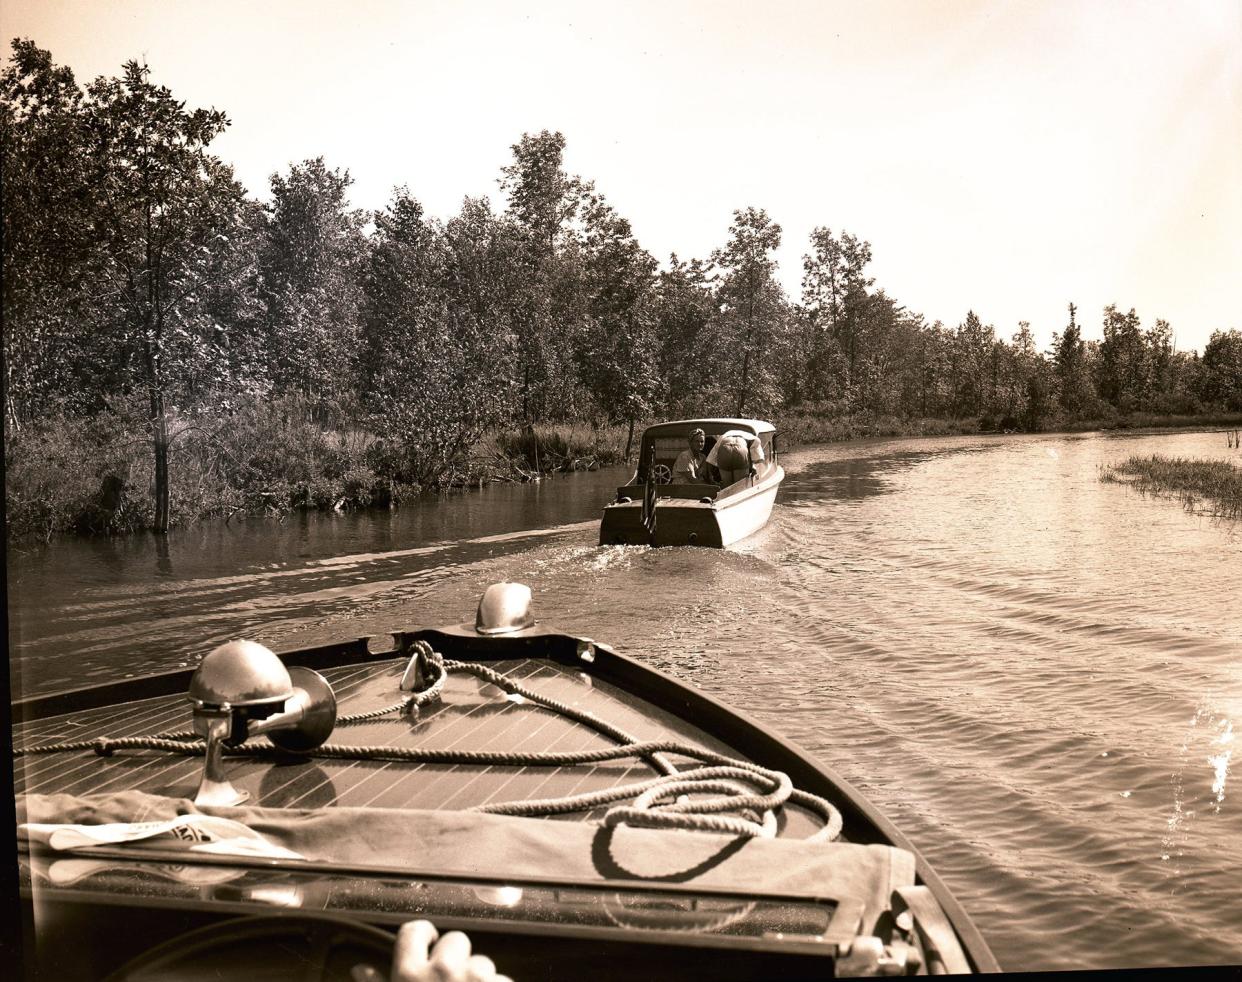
point(1006, 157)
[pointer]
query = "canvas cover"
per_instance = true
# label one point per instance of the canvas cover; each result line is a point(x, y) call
point(473, 844)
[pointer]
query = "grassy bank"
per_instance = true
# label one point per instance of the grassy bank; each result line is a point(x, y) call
point(1210, 486)
point(94, 476)
point(800, 430)
point(1151, 421)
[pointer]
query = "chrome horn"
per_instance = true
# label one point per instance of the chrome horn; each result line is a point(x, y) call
point(242, 690)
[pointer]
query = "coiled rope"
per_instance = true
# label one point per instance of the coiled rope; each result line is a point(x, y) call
point(660, 802)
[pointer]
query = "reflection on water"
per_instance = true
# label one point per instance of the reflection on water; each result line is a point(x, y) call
point(1036, 675)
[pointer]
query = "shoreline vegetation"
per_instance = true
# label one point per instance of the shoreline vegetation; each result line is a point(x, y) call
point(178, 348)
point(274, 460)
point(1211, 487)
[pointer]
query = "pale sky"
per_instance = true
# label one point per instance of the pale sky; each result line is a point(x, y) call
point(1006, 157)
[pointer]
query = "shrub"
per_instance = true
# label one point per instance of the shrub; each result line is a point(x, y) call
point(64, 474)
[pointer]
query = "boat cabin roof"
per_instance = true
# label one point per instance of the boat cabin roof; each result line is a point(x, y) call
point(682, 427)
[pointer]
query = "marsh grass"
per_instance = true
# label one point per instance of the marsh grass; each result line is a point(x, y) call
point(568, 447)
point(803, 429)
point(1210, 486)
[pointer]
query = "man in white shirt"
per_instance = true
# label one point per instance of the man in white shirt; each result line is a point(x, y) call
point(691, 466)
point(735, 455)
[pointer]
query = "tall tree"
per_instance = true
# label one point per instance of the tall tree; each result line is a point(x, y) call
point(1070, 366)
point(1222, 369)
point(311, 266)
point(834, 287)
point(547, 308)
point(752, 304)
point(1122, 366)
point(973, 349)
point(173, 223)
point(1159, 377)
point(48, 238)
point(618, 356)
point(685, 310)
point(434, 351)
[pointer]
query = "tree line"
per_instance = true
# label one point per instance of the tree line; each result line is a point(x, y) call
point(147, 293)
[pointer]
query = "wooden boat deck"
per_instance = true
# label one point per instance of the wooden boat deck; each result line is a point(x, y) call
point(473, 715)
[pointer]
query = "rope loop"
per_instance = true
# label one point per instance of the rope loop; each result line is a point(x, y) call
point(431, 665)
point(666, 804)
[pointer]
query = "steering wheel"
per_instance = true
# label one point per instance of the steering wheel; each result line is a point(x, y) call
point(663, 474)
point(293, 948)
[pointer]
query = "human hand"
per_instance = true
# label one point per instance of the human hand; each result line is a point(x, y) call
point(421, 955)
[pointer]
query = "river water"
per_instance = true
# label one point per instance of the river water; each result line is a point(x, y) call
point(1036, 675)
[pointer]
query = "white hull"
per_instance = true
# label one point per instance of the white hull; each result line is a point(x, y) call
point(743, 514)
point(690, 522)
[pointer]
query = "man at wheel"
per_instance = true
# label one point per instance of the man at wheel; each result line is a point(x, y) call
point(691, 465)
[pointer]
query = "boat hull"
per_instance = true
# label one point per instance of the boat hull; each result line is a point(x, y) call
point(564, 918)
point(726, 519)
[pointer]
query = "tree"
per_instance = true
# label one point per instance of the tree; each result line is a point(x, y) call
point(834, 289)
point(48, 238)
point(1122, 367)
point(973, 353)
point(1158, 380)
point(752, 304)
point(1222, 369)
point(311, 266)
point(436, 361)
point(618, 354)
point(685, 310)
point(173, 224)
point(1070, 367)
point(1022, 394)
point(884, 335)
point(547, 307)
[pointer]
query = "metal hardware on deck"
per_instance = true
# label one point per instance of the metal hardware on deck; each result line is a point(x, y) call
point(414, 678)
point(586, 650)
point(240, 673)
point(241, 690)
point(504, 608)
point(869, 957)
point(308, 717)
point(214, 787)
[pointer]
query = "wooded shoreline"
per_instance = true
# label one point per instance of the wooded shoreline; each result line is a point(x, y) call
point(49, 496)
point(176, 348)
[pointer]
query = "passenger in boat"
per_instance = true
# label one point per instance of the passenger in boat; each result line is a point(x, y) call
point(691, 464)
point(735, 455)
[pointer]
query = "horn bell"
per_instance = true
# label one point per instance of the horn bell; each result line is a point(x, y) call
point(240, 673)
